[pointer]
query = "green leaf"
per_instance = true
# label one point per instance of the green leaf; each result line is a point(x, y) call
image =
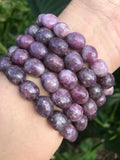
point(48, 6)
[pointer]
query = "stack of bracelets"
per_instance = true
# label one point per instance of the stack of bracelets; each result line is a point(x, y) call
point(75, 78)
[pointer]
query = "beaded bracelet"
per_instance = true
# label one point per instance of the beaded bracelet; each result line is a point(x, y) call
point(77, 81)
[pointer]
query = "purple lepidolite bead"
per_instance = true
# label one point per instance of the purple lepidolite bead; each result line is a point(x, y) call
point(18, 40)
point(39, 19)
point(20, 56)
point(108, 91)
point(87, 77)
point(29, 90)
point(58, 120)
point(89, 54)
point(100, 68)
point(50, 82)
point(82, 123)
point(34, 67)
point(32, 30)
point(49, 20)
point(62, 98)
point(44, 106)
point(61, 29)
point(53, 62)
point(79, 94)
point(58, 46)
point(73, 61)
point(68, 78)
point(38, 50)
point(101, 101)
point(44, 35)
point(76, 40)
point(15, 74)
point(11, 50)
point(69, 133)
point(74, 112)
point(5, 62)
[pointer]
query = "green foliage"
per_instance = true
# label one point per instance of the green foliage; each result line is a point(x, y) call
point(15, 16)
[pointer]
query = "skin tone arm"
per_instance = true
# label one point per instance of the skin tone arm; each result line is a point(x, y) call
point(24, 135)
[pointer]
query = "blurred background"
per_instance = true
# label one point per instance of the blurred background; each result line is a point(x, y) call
point(101, 139)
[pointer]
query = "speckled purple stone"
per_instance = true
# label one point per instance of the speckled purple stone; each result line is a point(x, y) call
point(95, 91)
point(15, 74)
point(107, 81)
point(100, 68)
point(58, 120)
point(11, 50)
point(82, 123)
point(38, 50)
point(89, 54)
point(87, 77)
point(69, 133)
point(20, 56)
point(29, 90)
point(62, 98)
point(79, 94)
point(25, 41)
point(90, 108)
point(39, 19)
point(73, 61)
point(76, 40)
point(26, 31)
point(34, 67)
point(18, 40)
point(58, 46)
point(44, 106)
point(74, 112)
point(50, 82)
point(44, 35)
point(53, 62)
point(32, 30)
point(68, 78)
point(91, 117)
point(101, 101)
point(5, 62)
point(108, 91)
point(61, 29)
point(49, 20)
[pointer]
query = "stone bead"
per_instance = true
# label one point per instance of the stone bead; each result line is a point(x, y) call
point(62, 98)
point(15, 74)
point(5, 62)
point(100, 68)
point(58, 120)
point(108, 91)
point(50, 82)
point(90, 109)
point(69, 133)
point(82, 123)
point(107, 81)
point(49, 20)
point(39, 19)
point(61, 30)
point(11, 50)
point(68, 79)
point(44, 106)
point(26, 31)
point(53, 62)
point(79, 94)
point(38, 50)
point(29, 90)
point(89, 54)
point(76, 40)
point(44, 35)
point(58, 46)
point(20, 56)
point(18, 40)
point(73, 61)
point(101, 101)
point(25, 41)
point(87, 77)
point(32, 30)
point(74, 112)
point(95, 92)
point(34, 67)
